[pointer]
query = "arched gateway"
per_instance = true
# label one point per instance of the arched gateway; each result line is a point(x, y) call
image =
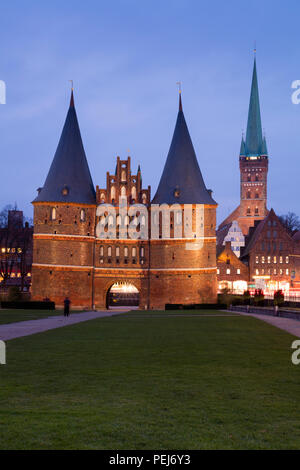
point(122, 294)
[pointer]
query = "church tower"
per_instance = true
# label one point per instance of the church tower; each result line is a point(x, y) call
point(253, 162)
point(64, 223)
point(253, 165)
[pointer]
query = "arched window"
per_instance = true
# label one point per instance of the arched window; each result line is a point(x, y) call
point(126, 220)
point(101, 250)
point(144, 198)
point(110, 220)
point(133, 192)
point(123, 191)
point(53, 213)
point(142, 252)
point(102, 197)
point(109, 251)
point(113, 192)
point(123, 175)
point(249, 194)
point(82, 215)
point(133, 252)
point(118, 219)
point(126, 251)
point(117, 251)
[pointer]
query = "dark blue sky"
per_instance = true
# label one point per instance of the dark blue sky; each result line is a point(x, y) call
point(125, 58)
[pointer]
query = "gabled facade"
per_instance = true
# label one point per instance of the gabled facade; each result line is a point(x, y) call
point(232, 273)
point(268, 253)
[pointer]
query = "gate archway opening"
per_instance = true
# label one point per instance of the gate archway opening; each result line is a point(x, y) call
point(122, 294)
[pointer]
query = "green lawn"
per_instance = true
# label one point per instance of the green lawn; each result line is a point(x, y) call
point(142, 381)
point(16, 315)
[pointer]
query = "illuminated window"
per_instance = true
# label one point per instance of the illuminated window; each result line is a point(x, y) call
point(3, 250)
point(218, 271)
point(29, 274)
point(257, 272)
point(117, 251)
point(249, 177)
point(280, 271)
point(123, 175)
point(269, 259)
point(133, 252)
point(109, 251)
point(256, 259)
point(133, 192)
point(263, 271)
point(275, 271)
point(227, 271)
point(286, 259)
point(262, 259)
point(101, 250)
point(142, 252)
point(287, 272)
point(144, 198)
point(53, 213)
point(125, 251)
point(275, 259)
point(82, 215)
point(238, 271)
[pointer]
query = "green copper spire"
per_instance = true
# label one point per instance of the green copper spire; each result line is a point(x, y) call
point(264, 150)
point(242, 150)
point(254, 139)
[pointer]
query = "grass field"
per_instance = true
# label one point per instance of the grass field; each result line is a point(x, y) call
point(16, 315)
point(152, 381)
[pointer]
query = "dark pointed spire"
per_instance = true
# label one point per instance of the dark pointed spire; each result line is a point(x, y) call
point(254, 130)
point(69, 178)
point(181, 181)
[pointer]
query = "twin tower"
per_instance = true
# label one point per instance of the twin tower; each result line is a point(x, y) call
point(81, 243)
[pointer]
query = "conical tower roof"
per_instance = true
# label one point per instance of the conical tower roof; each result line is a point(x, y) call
point(181, 181)
point(69, 178)
point(254, 138)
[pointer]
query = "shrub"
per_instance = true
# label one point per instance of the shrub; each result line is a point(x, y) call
point(278, 297)
point(14, 294)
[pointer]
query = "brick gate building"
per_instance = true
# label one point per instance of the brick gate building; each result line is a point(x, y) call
point(70, 259)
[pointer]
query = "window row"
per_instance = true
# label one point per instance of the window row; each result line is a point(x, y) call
point(109, 251)
point(271, 245)
point(270, 259)
point(230, 271)
point(53, 214)
point(269, 271)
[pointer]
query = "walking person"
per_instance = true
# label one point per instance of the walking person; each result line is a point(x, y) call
point(67, 302)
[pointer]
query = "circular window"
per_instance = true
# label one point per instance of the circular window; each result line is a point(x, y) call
point(65, 191)
point(177, 192)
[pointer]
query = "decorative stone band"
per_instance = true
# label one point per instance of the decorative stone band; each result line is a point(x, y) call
point(70, 266)
point(62, 236)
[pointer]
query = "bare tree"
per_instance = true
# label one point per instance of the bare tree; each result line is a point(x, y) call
point(291, 222)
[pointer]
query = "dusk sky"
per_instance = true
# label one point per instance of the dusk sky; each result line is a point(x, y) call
point(125, 58)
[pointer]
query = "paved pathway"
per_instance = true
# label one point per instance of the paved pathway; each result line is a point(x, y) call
point(287, 324)
point(30, 327)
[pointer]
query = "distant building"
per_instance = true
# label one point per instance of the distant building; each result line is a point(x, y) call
point(231, 233)
point(16, 246)
point(269, 254)
point(232, 273)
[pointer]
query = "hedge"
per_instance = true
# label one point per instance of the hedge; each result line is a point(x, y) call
point(32, 305)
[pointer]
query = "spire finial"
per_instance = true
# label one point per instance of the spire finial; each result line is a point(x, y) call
point(179, 91)
point(72, 96)
point(254, 50)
